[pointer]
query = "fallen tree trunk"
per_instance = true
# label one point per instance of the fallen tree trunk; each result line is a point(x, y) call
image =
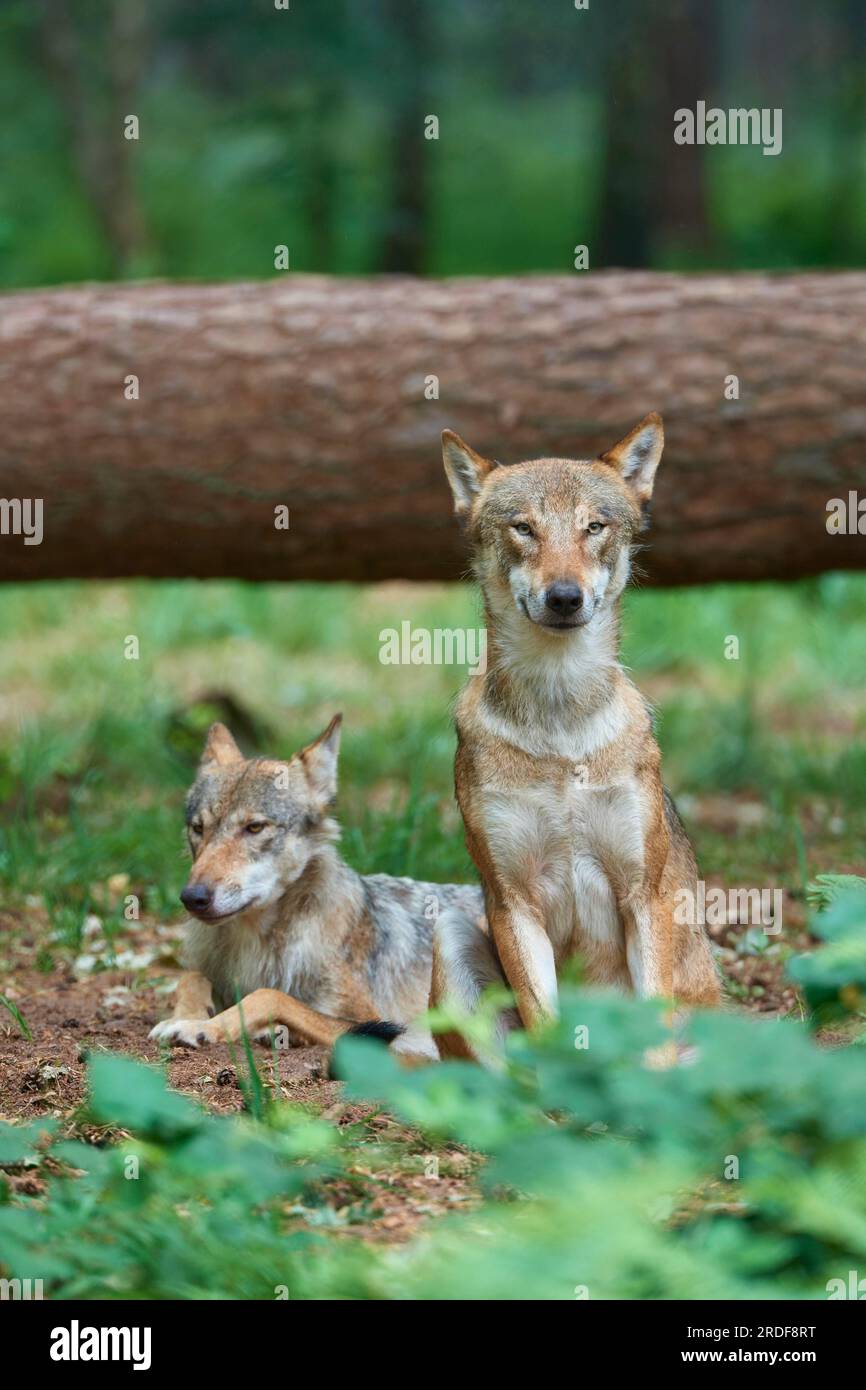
point(318, 395)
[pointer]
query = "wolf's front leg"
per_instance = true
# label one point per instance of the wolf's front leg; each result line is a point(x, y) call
point(465, 964)
point(193, 997)
point(259, 1013)
point(649, 940)
point(526, 953)
point(510, 842)
point(193, 1006)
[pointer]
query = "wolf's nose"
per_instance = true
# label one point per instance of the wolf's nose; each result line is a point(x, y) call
point(564, 599)
point(196, 897)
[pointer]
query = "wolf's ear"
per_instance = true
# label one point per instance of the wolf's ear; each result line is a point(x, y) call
point(320, 761)
point(636, 457)
point(466, 471)
point(220, 747)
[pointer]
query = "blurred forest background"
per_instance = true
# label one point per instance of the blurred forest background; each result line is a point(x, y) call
point(303, 127)
point(260, 127)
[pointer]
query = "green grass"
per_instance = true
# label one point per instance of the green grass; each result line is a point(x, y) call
point(96, 751)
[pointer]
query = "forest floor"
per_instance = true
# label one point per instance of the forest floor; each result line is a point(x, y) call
point(88, 1003)
point(765, 755)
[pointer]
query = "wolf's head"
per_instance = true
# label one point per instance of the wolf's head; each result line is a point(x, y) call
point(255, 824)
point(552, 537)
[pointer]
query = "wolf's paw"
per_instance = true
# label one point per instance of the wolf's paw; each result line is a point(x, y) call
point(183, 1032)
point(670, 1054)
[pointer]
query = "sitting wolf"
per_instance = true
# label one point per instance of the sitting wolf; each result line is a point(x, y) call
point(282, 923)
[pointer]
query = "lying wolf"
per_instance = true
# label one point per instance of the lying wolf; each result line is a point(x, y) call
point(282, 923)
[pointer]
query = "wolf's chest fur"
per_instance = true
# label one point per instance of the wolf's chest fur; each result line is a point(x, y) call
point(562, 809)
point(240, 957)
point(358, 947)
point(572, 840)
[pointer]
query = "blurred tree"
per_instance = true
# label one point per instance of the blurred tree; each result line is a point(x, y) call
point(98, 83)
point(631, 90)
point(844, 222)
point(330, 53)
point(653, 198)
point(405, 219)
point(687, 43)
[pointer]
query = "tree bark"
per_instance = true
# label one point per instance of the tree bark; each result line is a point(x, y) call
point(309, 392)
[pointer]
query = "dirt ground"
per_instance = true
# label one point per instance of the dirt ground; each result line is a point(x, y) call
point(69, 1015)
point(74, 1009)
point(111, 995)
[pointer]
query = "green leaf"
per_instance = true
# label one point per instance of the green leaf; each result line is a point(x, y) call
point(19, 1018)
point(19, 1142)
point(833, 978)
point(134, 1096)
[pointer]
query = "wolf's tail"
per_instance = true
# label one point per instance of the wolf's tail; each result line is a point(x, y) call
point(376, 1028)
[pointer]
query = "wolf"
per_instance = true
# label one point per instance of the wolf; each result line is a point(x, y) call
point(558, 774)
point(281, 923)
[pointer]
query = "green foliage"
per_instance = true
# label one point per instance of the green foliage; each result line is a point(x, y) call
point(134, 1097)
point(834, 978)
point(192, 1207)
point(737, 1175)
point(12, 1008)
point(740, 1173)
point(826, 889)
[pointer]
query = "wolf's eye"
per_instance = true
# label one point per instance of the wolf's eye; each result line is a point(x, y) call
point(523, 528)
point(595, 527)
point(196, 827)
point(256, 827)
